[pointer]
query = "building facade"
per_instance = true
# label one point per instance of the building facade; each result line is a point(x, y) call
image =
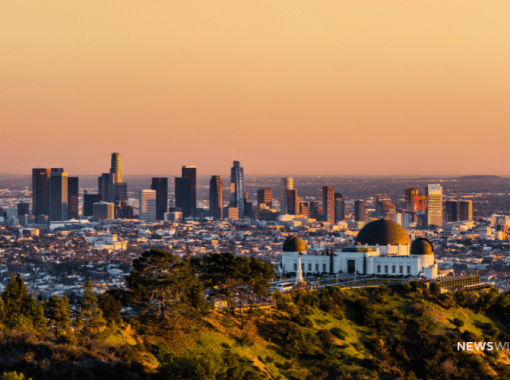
point(287, 184)
point(41, 191)
point(328, 203)
point(216, 197)
point(160, 185)
point(237, 188)
point(58, 195)
point(147, 205)
point(434, 194)
point(382, 247)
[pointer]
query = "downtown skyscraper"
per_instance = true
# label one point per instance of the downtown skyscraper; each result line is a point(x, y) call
point(186, 191)
point(328, 203)
point(237, 188)
point(72, 197)
point(287, 184)
point(160, 184)
point(41, 191)
point(117, 189)
point(58, 195)
point(434, 194)
point(216, 197)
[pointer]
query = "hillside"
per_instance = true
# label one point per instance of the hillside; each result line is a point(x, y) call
point(403, 332)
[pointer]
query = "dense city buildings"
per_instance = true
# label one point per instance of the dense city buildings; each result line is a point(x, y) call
point(160, 184)
point(287, 184)
point(216, 197)
point(434, 194)
point(58, 195)
point(328, 203)
point(73, 190)
point(237, 188)
point(147, 205)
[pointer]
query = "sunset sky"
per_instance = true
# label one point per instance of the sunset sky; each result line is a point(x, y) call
point(295, 87)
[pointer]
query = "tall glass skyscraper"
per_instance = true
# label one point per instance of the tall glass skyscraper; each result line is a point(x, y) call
point(58, 194)
point(186, 191)
point(237, 188)
point(216, 197)
point(287, 184)
point(72, 197)
point(41, 191)
point(116, 193)
point(328, 203)
point(434, 194)
point(160, 184)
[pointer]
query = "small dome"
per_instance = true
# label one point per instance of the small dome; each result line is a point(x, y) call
point(294, 243)
point(422, 246)
point(383, 232)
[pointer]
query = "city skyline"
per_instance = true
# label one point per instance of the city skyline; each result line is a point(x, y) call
point(360, 87)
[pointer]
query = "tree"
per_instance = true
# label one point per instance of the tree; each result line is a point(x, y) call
point(159, 281)
point(110, 306)
point(15, 296)
point(93, 320)
point(13, 376)
point(237, 279)
point(59, 312)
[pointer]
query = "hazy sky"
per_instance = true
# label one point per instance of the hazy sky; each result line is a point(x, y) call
point(294, 87)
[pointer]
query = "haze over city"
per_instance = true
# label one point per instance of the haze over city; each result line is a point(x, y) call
point(315, 88)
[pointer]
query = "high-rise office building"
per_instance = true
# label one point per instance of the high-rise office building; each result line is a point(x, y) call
point(103, 210)
point(41, 191)
point(58, 195)
point(23, 208)
point(72, 197)
point(287, 184)
point(304, 209)
point(339, 208)
point(292, 202)
point(191, 173)
point(147, 209)
point(248, 206)
point(160, 184)
point(115, 177)
point(216, 197)
point(88, 203)
point(314, 210)
point(466, 210)
point(265, 196)
point(237, 188)
point(102, 184)
point(328, 203)
point(452, 211)
point(186, 191)
point(434, 194)
point(360, 211)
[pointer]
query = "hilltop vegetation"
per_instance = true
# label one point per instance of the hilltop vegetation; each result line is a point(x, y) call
point(401, 332)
